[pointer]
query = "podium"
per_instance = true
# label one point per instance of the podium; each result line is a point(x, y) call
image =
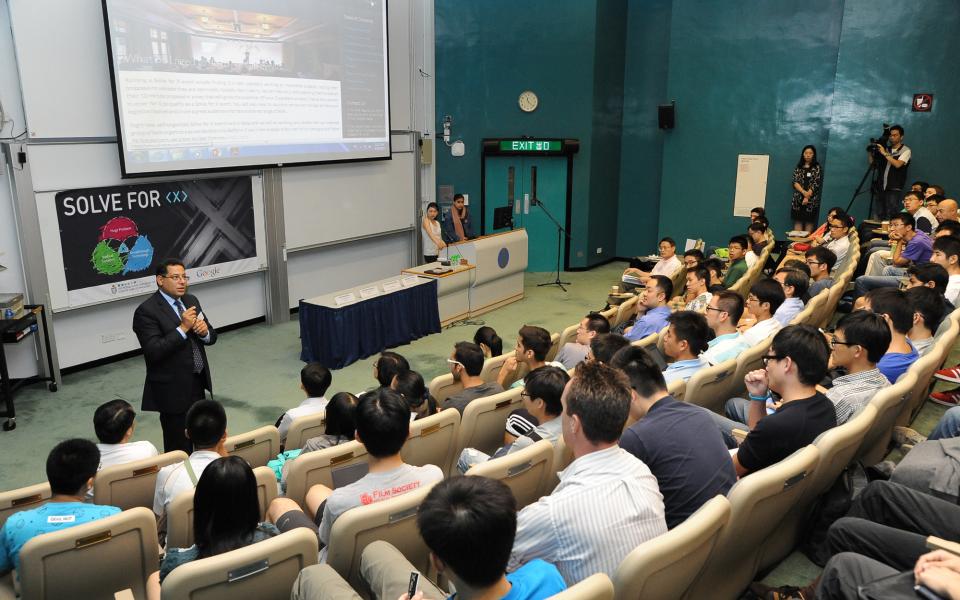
point(492, 278)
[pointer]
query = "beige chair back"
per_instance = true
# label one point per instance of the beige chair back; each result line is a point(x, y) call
point(444, 386)
point(711, 387)
point(433, 440)
point(677, 388)
point(134, 483)
point(812, 310)
point(180, 509)
point(647, 342)
point(749, 360)
point(758, 503)
point(393, 521)
point(624, 311)
point(554, 347)
point(265, 570)
point(491, 367)
point(257, 447)
point(92, 560)
point(665, 566)
point(837, 447)
point(23, 498)
point(484, 419)
point(610, 314)
point(569, 334)
point(925, 367)
point(596, 587)
point(679, 281)
point(320, 467)
point(525, 471)
point(562, 457)
point(305, 427)
point(888, 402)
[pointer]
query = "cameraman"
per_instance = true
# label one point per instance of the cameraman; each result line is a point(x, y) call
point(895, 156)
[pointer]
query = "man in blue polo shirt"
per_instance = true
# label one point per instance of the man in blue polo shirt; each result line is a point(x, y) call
point(685, 339)
point(652, 308)
point(71, 467)
point(680, 442)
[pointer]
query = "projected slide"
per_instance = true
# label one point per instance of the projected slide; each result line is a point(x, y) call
point(247, 83)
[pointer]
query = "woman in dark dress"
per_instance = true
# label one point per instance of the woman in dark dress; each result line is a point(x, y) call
point(807, 183)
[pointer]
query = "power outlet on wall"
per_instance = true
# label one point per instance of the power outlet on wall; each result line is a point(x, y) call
point(599, 250)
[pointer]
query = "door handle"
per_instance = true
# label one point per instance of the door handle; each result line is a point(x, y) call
point(526, 204)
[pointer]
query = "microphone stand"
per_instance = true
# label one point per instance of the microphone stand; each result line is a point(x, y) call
point(560, 233)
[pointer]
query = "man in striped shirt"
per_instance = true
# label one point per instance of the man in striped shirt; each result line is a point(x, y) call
point(859, 341)
point(608, 502)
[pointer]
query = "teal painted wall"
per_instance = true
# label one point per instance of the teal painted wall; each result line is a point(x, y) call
point(488, 52)
point(646, 65)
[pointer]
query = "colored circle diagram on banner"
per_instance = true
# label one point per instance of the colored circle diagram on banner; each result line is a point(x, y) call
point(121, 249)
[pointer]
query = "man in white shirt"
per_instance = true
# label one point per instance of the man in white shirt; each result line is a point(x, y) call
point(946, 253)
point(315, 379)
point(723, 314)
point(575, 352)
point(764, 299)
point(607, 502)
point(207, 431)
point(836, 239)
point(666, 266)
point(923, 219)
point(114, 423)
point(794, 283)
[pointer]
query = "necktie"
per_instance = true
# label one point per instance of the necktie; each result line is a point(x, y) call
point(197, 357)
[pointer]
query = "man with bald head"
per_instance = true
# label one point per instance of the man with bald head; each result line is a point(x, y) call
point(947, 210)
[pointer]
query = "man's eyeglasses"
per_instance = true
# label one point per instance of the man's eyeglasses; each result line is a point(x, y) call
point(177, 277)
point(813, 263)
point(837, 227)
point(834, 341)
point(454, 362)
point(716, 309)
point(526, 395)
point(767, 358)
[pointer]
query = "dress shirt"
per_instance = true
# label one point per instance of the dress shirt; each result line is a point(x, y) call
point(761, 331)
point(173, 305)
point(790, 308)
point(850, 393)
point(682, 369)
point(653, 321)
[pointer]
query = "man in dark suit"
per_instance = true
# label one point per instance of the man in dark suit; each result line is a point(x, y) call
point(173, 331)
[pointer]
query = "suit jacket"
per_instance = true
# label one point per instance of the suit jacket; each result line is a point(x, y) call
point(168, 355)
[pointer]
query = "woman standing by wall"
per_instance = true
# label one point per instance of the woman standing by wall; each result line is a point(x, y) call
point(432, 243)
point(807, 183)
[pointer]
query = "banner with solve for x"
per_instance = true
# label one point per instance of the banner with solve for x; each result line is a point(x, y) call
point(113, 238)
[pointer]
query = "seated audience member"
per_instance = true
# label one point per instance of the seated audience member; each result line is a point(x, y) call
point(756, 213)
point(948, 228)
point(911, 247)
point(693, 258)
point(566, 528)
point(817, 236)
point(697, 281)
point(383, 424)
point(686, 337)
point(604, 346)
point(928, 310)
point(71, 467)
point(715, 268)
point(923, 219)
point(946, 211)
point(541, 400)
point(114, 423)
point(340, 424)
point(796, 263)
point(678, 441)
point(932, 190)
point(762, 303)
point(652, 308)
point(486, 337)
point(919, 186)
point(795, 364)
point(469, 525)
point(466, 364)
point(575, 352)
point(893, 306)
point(315, 379)
point(723, 314)
point(929, 275)
point(411, 386)
point(821, 262)
point(533, 343)
point(757, 232)
point(946, 253)
point(794, 283)
point(666, 266)
point(836, 239)
point(207, 431)
point(737, 248)
point(388, 366)
point(226, 516)
point(858, 343)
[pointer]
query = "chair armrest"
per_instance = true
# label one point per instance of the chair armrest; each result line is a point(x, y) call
point(935, 543)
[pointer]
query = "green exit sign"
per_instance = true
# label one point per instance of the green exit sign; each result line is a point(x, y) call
point(531, 145)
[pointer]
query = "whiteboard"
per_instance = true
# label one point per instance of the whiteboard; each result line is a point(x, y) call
point(751, 183)
point(330, 203)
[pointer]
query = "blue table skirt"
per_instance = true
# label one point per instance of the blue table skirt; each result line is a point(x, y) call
point(337, 337)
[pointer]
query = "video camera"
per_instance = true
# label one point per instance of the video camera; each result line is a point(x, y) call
point(882, 140)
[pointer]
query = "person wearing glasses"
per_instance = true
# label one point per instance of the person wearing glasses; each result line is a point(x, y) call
point(466, 363)
point(857, 344)
point(723, 313)
point(911, 247)
point(764, 299)
point(174, 332)
point(792, 368)
point(836, 239)
point(821, 261)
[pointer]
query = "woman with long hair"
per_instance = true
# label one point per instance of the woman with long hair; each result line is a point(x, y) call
point(432, 241)
point(807, 183)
